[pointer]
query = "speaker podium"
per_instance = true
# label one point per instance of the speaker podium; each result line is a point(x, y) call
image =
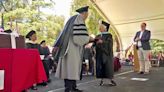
point(136, 60)
point(7, 40)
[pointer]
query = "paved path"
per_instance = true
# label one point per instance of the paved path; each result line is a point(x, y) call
point(154, 82)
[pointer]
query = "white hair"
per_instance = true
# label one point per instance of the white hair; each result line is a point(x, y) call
point(104, 27)
point(100, 23)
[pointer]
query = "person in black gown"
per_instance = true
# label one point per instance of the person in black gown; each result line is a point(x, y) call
point(32, 44)
point(31, 40)
point(47, 55)
point(104, 54)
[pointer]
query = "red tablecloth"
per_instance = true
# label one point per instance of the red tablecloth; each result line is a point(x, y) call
point(23, 68)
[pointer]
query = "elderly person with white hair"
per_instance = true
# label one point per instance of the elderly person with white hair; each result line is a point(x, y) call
point(104, 54)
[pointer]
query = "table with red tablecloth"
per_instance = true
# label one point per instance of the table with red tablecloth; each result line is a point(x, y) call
point(23, 68)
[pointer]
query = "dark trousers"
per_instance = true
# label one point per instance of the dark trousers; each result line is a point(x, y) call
point(46, 68)
point(50, 62)
point(69, 85)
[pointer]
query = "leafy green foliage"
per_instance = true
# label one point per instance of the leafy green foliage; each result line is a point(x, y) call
point(157, 45)
point(30, 17)
point(93, 19)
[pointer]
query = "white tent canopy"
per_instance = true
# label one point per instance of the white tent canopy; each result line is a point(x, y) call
point(127, 15)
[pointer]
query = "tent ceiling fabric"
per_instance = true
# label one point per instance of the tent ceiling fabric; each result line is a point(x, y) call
point(127, 15)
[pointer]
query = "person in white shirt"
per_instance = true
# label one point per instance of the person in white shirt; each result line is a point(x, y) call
point(142, 38)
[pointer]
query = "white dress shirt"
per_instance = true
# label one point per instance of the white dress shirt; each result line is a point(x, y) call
point(139, 42)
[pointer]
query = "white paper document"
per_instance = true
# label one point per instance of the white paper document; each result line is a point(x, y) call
point(42, 57)
point(2, 79)
point(140, 79)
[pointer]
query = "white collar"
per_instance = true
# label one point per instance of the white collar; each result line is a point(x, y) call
point(105, 32)
point(30, 41)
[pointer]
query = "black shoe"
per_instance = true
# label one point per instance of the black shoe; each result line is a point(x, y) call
point(34, 88)
point(49, 80)
point(44, 84)
point(76, 90)
point(101, 83)
point(67, 90)
point(113, 83)
point(141, 72)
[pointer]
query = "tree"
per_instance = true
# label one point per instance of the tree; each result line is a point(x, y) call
point(93, 20)
point(157, 45)
point(30, 17)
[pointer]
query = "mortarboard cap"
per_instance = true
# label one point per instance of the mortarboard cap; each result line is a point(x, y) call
point(82, 9)
point(42, 42)
point(8, 31)
point(106, 24)
point(30, 34)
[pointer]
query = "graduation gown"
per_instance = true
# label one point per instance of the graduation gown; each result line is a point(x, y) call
point(70, 44)
point(32, 45)
point(45, 51)
point(104, 57)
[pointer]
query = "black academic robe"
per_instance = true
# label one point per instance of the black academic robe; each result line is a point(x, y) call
point(30, 45)
point(45, 51)
point(104, 57)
